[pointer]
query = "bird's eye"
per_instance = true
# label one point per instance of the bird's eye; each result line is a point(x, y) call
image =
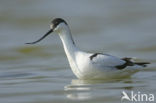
point(56, 22)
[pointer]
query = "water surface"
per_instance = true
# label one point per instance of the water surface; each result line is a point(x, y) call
point(40, 73)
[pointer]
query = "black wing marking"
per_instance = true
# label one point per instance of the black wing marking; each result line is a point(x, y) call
point(128, 62)
point(94, 55)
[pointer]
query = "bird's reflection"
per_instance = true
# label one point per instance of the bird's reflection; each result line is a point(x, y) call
point(78, 90)
point(85, 89)
point(82, 89)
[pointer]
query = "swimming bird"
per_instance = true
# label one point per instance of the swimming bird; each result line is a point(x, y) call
point(87, 65)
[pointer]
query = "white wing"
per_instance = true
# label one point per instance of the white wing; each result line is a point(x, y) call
point(106, 60)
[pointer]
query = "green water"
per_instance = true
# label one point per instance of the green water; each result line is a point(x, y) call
point(41, 74)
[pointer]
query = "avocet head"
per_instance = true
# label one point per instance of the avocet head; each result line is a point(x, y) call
point(56, 26)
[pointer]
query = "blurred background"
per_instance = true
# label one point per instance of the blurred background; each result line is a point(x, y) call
point(40, 73)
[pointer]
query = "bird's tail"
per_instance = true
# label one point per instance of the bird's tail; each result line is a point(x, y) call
point(143, 64)
point(131, 62)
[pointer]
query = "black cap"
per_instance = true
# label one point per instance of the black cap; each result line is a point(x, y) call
point(57, 21)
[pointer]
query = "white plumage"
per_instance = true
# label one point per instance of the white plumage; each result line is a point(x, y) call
point(91, 65)
point(102, 66)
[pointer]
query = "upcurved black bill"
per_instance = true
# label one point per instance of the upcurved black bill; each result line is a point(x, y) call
point(50, 31)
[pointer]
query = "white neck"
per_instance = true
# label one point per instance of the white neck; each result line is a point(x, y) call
point(69, 47)
point(68, 43)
